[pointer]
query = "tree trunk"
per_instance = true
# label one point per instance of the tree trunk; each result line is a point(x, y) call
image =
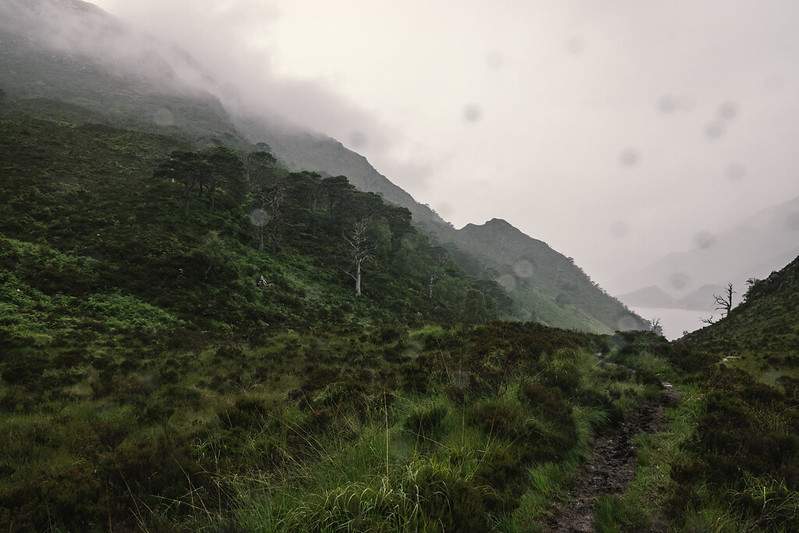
point(430, 288)
point(358, 279)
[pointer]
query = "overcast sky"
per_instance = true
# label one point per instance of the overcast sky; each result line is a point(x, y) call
point(615, 130)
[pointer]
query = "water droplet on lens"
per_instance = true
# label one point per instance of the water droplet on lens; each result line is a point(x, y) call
point(679, 280)
point(164, 118)
point(629, 157)
point(667, 104)
point(714, 130)
point(507, 281)
point(259, 217)
point(523, 268)
point(704, 240)
point(728, 111)
point(472, 113)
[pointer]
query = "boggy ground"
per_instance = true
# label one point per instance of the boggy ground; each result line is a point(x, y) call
point(611, 466)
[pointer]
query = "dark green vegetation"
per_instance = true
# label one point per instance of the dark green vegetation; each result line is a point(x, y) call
point(172, 360)
point(130, 278)
point(181, 346)
point(741, 468)
point(765, 323)
point(729, 459)
point(142, 89)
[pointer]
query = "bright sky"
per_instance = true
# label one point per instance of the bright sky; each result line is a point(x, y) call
point(615, 130)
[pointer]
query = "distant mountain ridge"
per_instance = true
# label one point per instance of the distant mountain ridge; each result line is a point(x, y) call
point(650, 296)
point(753, 248)
point(554, 290)
point(700, 299)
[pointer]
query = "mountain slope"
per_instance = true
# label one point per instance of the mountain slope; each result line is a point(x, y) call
point(50, 52)
point(546, 284)
point(766, 322)
point(738, 469)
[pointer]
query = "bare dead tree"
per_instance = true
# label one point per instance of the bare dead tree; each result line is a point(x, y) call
point(266, 217)
point(435, 274)
point(360, 251)
point(656, 326)
point(709, 320)
point(724, 302)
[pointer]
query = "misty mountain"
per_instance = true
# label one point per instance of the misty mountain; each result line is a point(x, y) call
point(701, 299)
point(548, 285)
point(753, 248)
point(71, 51)
point(651, 296)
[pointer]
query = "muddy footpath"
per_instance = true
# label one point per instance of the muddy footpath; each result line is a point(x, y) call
point(610, 467)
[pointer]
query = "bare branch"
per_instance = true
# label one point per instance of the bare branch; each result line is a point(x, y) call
point(724, 302)
point(361, 250)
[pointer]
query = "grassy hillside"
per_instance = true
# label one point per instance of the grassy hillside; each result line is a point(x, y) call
point(739, 470)
point(159, 368)
point(84, 198)
point(767, 322)
point(134, 315)
point(182, 348)
point(135, 83)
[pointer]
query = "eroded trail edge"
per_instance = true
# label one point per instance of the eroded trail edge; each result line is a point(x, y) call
point(611, 466)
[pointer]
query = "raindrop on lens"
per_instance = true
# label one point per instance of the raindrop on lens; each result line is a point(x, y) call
point(523, 268)
point(164, 118)
point(679, 280)
point(728, 111)
point(507, 281)
point(259, 217)
point(472, 113)
point(667, 104)
point(714, 130)
point(629, 157)
point(704, 240)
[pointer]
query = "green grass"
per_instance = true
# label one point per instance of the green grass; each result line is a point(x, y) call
point(642, 505)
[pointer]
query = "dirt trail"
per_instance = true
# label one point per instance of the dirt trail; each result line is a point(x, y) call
point(610, 468)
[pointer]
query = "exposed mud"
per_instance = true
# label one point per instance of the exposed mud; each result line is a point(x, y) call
point(610, 468)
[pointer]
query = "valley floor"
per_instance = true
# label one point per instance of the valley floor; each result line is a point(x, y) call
point(500, 427)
